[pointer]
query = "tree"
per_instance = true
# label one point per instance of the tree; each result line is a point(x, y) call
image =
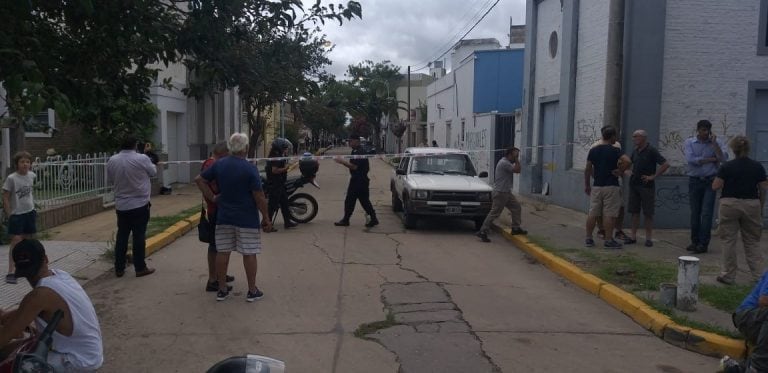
point(265, 49)
point(91, 61)
point(323, 112)
point(370, 92)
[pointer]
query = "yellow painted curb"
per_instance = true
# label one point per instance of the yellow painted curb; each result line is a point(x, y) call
point(659, 324)
point(170, 234)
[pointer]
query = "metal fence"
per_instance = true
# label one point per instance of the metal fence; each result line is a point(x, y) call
point(64, 179)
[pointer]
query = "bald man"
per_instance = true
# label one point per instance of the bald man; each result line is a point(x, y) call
point(642, 186)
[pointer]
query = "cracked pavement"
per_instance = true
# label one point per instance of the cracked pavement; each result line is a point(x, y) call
point(456, 304)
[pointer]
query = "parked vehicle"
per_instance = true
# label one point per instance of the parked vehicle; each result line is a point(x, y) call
point(439, 182)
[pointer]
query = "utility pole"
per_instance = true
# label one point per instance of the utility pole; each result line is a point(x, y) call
point(409, 101)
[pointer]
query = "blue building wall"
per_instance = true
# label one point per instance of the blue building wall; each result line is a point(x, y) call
point(498, 80)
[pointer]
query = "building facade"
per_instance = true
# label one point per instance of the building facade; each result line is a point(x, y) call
point(656, 65)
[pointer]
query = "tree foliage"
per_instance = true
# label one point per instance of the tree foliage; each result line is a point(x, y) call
point(94, 62)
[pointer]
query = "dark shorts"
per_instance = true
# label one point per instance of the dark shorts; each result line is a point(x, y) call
point(641, 197)
point(23, 224)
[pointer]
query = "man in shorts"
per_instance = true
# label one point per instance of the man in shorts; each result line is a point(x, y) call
point(605, 163)
point(642, 188)
point(239, 201)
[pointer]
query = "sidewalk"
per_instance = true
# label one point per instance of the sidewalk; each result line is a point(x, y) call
point(77, 247)
point(562, 231)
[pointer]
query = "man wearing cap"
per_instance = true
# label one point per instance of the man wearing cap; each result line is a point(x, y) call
point(77, 342)
point(358, 188)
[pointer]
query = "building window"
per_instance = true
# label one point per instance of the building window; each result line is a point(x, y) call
point(553, 44)
point(41, 125)
point(762, 39)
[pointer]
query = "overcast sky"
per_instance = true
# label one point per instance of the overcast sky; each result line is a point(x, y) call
point(412, 32)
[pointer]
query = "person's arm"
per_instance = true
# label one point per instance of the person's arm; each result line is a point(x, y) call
point(763, 189)
point(149, 166)
point(346, 163)
point(624, 163)
point(261, 203)
point(587, 176)
point(7, 203)
point(205, 188)
point(31, 306)
point(689, 156)
point(718, 183)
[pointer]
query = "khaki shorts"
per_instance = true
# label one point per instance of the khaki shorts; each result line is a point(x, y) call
point(605, 201)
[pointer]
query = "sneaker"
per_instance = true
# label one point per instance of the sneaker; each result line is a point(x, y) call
point(222, 295)
point(620, 235)
point(11, 279)
point(145, 272)
point(612, 244)
point(700, 249)
point(255, 295)
point(342, 223)
point(648, 243)
point(723, 280)
point(230, 278)
point(589, 242)
point(483, 236)
point(213, 286)
point(290, 225)
point(374, 222)
point(629, 241)
point(518, 230)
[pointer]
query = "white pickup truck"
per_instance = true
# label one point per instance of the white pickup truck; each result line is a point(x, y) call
point(439, 182)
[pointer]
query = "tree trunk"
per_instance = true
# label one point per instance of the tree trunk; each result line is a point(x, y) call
point(254, 129)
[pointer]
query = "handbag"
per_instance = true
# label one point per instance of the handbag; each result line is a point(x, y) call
point(205, 228)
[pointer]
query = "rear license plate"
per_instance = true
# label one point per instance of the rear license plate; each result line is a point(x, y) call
point(453, 209)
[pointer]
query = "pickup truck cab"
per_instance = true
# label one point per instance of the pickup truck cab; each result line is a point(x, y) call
point(439, 182)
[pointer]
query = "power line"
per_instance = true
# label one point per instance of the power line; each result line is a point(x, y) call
point(463, 36)
point(453, 38)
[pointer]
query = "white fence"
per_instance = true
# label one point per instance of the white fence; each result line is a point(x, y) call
point(61, 180)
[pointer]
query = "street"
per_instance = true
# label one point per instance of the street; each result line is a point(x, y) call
point(455, 304)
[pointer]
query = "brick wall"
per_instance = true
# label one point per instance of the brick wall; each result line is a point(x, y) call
point(592, 54)
point(710, 54)
point(65, 141)
point(63, 214)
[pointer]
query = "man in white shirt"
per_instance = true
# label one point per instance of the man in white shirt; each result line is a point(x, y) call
point(77, 343)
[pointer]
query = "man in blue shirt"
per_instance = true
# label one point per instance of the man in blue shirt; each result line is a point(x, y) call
point(751, 318)
point(703, 154)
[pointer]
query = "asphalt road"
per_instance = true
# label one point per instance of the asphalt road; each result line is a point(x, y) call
point(453, 304)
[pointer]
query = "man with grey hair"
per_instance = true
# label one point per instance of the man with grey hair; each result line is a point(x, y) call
point(642, 188)
point(239, 200)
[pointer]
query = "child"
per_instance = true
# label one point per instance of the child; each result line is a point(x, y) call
point(19, 206)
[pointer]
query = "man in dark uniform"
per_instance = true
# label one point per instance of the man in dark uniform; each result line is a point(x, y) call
point(358, 185)
point(277, 174)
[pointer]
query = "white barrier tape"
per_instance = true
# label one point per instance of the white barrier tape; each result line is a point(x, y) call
point(326, 157)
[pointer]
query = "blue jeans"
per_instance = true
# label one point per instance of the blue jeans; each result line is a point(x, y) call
point(131, 222)
point(702, 201)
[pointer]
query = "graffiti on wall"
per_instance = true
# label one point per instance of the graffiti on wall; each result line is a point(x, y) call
point(479, 140)
point(588, 131)
point(671, 198)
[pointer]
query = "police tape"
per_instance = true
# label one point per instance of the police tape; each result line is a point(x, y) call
point(297, 158)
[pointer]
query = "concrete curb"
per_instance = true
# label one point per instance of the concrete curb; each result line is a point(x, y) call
point(659, 324)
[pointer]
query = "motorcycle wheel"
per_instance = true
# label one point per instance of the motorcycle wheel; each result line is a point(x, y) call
point(302, 207)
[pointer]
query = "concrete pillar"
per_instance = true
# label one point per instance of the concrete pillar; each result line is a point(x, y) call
point(687, 283)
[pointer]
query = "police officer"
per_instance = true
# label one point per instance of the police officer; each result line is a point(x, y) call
point(277, 174)
point(358, 185)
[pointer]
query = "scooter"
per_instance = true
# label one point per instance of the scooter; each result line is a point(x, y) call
point(31, 354)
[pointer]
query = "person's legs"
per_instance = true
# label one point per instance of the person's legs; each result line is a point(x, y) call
point(497, 206)
point(121, 240)
point(272, 202)
point(251, 264)
point(364, 195)
point(611, 206)
point(707, 211)
point(139, 222)
point(211, 255)
point(751, 230)
point(225, 242)
point(729, 227)
point(515, 211)
point(648, 205)
point(595, 210)
point(222, 262)
point(695, 196)
point(349, 202)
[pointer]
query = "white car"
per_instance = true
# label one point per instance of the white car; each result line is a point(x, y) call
point(439, 182)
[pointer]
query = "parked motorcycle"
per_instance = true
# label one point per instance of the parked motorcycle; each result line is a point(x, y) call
point(302, 207)
point(31, 354)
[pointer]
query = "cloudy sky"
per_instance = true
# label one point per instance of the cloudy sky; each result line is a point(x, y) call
point(413, 32)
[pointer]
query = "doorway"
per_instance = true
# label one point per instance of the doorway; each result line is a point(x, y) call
point(547, 137)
